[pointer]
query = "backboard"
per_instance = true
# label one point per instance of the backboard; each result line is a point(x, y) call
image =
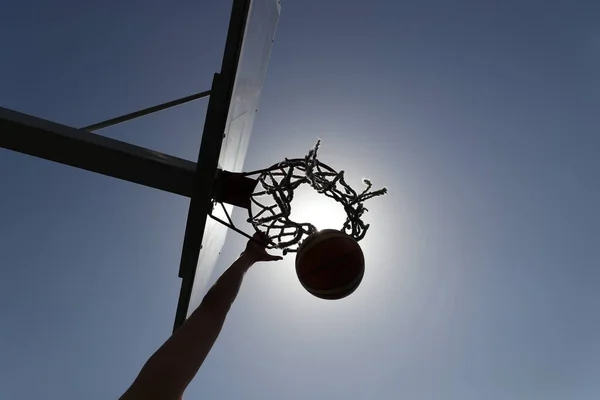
point(232, 107)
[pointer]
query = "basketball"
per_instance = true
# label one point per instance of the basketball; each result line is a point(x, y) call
point(330, 264)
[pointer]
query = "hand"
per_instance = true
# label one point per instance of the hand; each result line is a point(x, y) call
point(256, 249)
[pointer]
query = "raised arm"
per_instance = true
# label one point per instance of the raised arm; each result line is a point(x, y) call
point(170, 370)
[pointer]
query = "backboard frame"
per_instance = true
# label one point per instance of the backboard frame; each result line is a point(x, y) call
point(215, 125)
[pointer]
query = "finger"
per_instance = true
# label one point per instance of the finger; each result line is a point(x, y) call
point(260, 236)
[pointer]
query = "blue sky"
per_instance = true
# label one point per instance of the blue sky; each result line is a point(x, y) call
point(482, 262)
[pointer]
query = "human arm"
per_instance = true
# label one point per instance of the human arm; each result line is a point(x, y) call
point(170, 370)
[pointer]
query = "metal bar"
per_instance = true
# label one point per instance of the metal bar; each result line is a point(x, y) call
point(226, 213)
point(201, 201)
point(232, 227)
point(208, 157)
point(66, 145)
point(145, 111)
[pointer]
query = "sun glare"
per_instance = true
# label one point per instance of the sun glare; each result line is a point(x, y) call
point(317, 209)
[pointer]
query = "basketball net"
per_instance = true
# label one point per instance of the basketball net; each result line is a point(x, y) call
point(272, 202)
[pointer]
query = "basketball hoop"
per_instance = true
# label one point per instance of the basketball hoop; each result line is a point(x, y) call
point(331, 266)
point(268, 199)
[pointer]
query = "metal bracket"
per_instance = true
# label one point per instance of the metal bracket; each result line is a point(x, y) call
point(229, 224)
point(234, 188)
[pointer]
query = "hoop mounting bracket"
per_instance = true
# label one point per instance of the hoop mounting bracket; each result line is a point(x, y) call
point(234, 188)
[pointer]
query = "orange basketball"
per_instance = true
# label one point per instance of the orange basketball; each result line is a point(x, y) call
point(330, 264)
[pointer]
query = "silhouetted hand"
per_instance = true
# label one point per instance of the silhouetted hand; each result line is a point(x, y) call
point(256, 249)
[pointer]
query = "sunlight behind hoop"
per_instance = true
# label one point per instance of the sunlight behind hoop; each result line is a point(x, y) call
point(317, 209)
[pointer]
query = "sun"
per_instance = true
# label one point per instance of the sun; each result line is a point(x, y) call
point(317, 209)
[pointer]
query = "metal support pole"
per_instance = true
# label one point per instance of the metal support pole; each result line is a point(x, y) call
point(145, 111)
point(82, 149)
